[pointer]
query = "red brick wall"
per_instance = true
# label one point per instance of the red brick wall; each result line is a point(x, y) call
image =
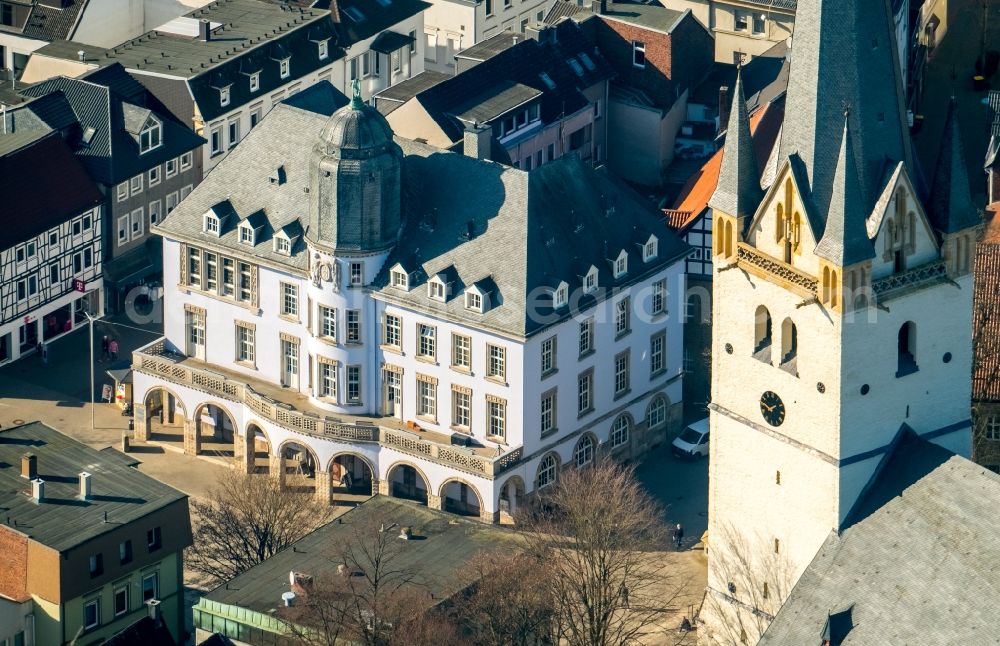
point(14, 573)
point(665, 76)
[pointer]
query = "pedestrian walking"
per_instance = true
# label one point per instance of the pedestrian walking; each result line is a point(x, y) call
point(678, 535)
point(113, 349)
point(104, 349)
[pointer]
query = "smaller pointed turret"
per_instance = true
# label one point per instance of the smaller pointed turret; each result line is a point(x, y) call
point(952, 208)
point(845, 239)
point(738, 192)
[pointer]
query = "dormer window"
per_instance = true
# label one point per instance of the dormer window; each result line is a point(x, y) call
point(649, 250)
point(255, 81)
point(283, 246)
point(324, 49)
point(621, 264)
point(590, 281)
point(436, 289)
point(224, 96)
point(560, 297)
point(474, 302)
point(399, 279)
point(150, 137)
point(211, 224)
point(247, 234)
point(285, 67)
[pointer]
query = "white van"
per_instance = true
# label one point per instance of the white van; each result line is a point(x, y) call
point(693, 441)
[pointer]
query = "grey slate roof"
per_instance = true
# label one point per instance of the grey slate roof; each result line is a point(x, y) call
point(530, 230)
point(320, 97)
point(492, 46)
point(951, 205)
point(845, 239)
point(63, 521)
point(844, 56)
point(110, 101)
point(738, 192)
point(921, 566)
point(396, 95)
point(438, 559)
point(49, 23)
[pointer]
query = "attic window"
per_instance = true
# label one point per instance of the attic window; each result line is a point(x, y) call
point(547, 80)
point(354, 14)
point(284, 67)
point(560, 296)
point(246, 234)
point(649, 250)
point(255, 81)
point(224, 96)
point(621, 265)
point(587, 61)
point(575, 65)
point(436, 290)
point(211, 224)
point(324, 49)
point(88, 135)
point(474, 302)
point(399, 279)
point(283, 246)
point(149, 136)
point(590, 281)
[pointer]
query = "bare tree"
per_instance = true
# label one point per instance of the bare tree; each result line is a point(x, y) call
point(511, 603)
point(374, 599)
point(756, 582)
point(244, 520)
point(594, 530)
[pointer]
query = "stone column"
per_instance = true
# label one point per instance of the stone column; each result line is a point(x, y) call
point(491, 517)
point(277, 468)
point(433, 502)
point(380, 487)
point(192, 441)
point(323, 493)
point(142, 422)
point(243, 453)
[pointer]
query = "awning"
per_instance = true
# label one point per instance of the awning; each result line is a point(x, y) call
point(121, 375)
point(389, 41)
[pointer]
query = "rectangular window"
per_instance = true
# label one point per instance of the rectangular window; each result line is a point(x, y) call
point(123, 230)
point(171, 201)
point(228, 277)
point(244, 270)
point(657, 353)
point(53, 274)
point(327, 385)
point(357, 274)
point(758, 23)
point(92, 614)
point(234, 133)
point(622, 380)
point(461, 352)
point(551, 152)
point(154, 539)
point(54, 237)
point(122, 191)
point(426, 341)
point(137, 223)
point(392, 334)
point(353, 384)
point(96, 565)
point(585, 392)
point(154, 175)
point(289, 299)
point(211, 272)
point(186, 191)
point(194, 268)
point(622, 322)
point(638, 54)
point(171, 168)
point(224, 96)
point(125, 552)
point(586, 337)
point(496, 417)
point(328, 322)
point(255, 115)
point(88, 258)
point(121, 600)
point(426, 398)
point(489, 7)
point(413, 42)
point(353, 326)
point(496, 362)
point(548, 412)
point(461, 408)
point(658, 299)
point(135, 185)
point(216, 139)
point(741, 21)
point(186, 160)
point(154, 212)
point(150, 586)
point(244, 343)
point(284, 68)
point(324, 49)
point(548, 355)
point(77, 262)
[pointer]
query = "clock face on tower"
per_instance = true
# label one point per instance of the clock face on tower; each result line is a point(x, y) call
point(772, 408)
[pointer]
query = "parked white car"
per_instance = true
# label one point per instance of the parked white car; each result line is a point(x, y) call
point(693, 441)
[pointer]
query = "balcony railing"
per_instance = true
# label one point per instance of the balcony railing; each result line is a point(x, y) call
point(155, 359)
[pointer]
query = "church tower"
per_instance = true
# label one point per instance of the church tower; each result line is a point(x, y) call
point(842, 311)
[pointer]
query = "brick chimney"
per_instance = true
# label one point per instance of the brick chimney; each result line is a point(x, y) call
point(725, 103)
point(29, 466)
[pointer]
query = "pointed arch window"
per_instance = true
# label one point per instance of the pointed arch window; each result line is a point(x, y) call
point(762, 334)
point(789, 345)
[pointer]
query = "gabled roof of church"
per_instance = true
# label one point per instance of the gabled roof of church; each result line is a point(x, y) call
point(920, 566)
point(845, 239)
point(844, 57)
point(952, 208)
point(738, 192)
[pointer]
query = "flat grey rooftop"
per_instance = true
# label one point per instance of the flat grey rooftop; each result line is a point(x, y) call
point(498, 100)
point(63, 521)
point(649, 16)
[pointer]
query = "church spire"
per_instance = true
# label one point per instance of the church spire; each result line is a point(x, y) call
point(738, 192)
point(845, 239)
point(952, 207)
point(844, 56)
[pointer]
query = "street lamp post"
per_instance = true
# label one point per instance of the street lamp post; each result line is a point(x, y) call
point(93, 405)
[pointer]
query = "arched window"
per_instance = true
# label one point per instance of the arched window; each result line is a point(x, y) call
point(833, 288)
point(584, 452)
point(779, 228)
point(547, 471)
point(693, 309)
point(717, 241)
point(762, 334)
point(729, 239)
point(789, 341)
point(911, 232)
point(619, 431)
point(826, 284)
point(656, 413)
point(907, 349)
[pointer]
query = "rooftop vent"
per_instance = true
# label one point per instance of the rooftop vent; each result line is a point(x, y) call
point(288, 599)
point(84, 486)
point(38, 490)
point(153, 608)
point(82, 55)
point(29, 466)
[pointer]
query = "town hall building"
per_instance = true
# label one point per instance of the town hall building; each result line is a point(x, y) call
point(357, 313)
point(842, 313)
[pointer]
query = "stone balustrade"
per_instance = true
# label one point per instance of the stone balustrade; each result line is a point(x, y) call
point(931, 273)
point(767, 267)
point(155, 359)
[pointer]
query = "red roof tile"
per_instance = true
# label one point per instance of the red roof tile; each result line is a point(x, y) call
point(986, 317)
